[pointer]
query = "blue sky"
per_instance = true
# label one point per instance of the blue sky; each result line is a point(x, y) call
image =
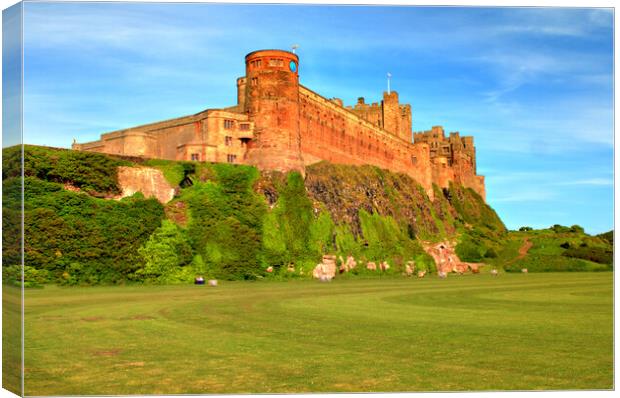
point(532, 85)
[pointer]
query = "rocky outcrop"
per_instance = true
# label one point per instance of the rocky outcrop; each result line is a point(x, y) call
point(446, 259)
point(326, 270)
point(147, 180)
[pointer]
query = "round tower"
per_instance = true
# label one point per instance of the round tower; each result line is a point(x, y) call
point(272, 103)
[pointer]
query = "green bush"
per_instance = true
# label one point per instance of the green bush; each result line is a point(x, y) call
point(607, 236)
point(226, 222)
point(559, 229)
point(92, 172)
point(490, 253)
point(469, 251)
point(33, 277)
point(577, 229)
point(166, 250)
point(78, 238)
point(595, 254)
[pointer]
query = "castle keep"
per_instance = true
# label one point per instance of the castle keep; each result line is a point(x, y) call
point(278, 124)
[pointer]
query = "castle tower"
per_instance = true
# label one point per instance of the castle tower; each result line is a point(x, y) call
point(272, 103)
point(391, 112)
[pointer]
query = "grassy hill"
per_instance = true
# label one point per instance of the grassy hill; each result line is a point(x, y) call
point(233, 222)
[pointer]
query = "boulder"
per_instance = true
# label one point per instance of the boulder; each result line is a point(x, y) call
point(409, 268)
point(326, 270)
point(351, 263)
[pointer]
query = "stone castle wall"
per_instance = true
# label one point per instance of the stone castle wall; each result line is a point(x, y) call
point(333, 133)
point(278, 124)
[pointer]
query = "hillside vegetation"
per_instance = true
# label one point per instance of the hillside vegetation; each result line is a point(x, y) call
point(234, 222)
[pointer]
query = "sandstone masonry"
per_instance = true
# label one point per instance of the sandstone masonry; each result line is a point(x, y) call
point(278, 124)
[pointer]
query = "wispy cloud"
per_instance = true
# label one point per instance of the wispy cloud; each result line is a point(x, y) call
point(590, 181)
point(526, 196)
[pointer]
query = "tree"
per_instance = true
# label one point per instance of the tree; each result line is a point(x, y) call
point(165, 252)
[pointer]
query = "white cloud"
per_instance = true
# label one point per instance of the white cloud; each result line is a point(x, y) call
point(525, 196)
point(590, 181)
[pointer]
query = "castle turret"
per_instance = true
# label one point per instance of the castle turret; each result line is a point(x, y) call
point(391, 112)
point(272, 102)
point(241, 85)
point(396, 117)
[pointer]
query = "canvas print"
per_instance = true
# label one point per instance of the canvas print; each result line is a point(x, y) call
point(299, 198)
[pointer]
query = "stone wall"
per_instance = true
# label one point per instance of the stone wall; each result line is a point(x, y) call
point(336, 134)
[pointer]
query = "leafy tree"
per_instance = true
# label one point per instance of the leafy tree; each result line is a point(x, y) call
point(166, 249)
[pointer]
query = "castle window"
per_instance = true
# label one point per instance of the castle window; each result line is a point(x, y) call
point(231, 158)
point(244, 127)
point(195, 156)
point(254, 81)
point(228, 124)
point(276, 62)
point(414, 160)
point(228, 141)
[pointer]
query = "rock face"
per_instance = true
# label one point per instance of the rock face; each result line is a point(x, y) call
point(446, 259)
point(149, 181)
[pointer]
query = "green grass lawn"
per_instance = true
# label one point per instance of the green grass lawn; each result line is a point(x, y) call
point(474, 332)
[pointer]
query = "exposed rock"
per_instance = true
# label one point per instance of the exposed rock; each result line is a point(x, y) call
point(148, 180)
point(446, 259)
point(326, 270)
point(409, 268)
point(70, 187)
point(351, 263)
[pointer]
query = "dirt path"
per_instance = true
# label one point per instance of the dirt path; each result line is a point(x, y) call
point(525, 247)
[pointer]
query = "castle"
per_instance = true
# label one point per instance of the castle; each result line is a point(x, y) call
point(278, 124)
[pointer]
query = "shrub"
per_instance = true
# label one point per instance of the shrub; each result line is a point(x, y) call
point(595, 254)
point(93, 240)
point(469, 251)
point(226, 222)
point(32, 277)
point(608, 236)
point(557, 228)
point(166, 250)
point(577, 229)
point(490, 253)
point(92, 172)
